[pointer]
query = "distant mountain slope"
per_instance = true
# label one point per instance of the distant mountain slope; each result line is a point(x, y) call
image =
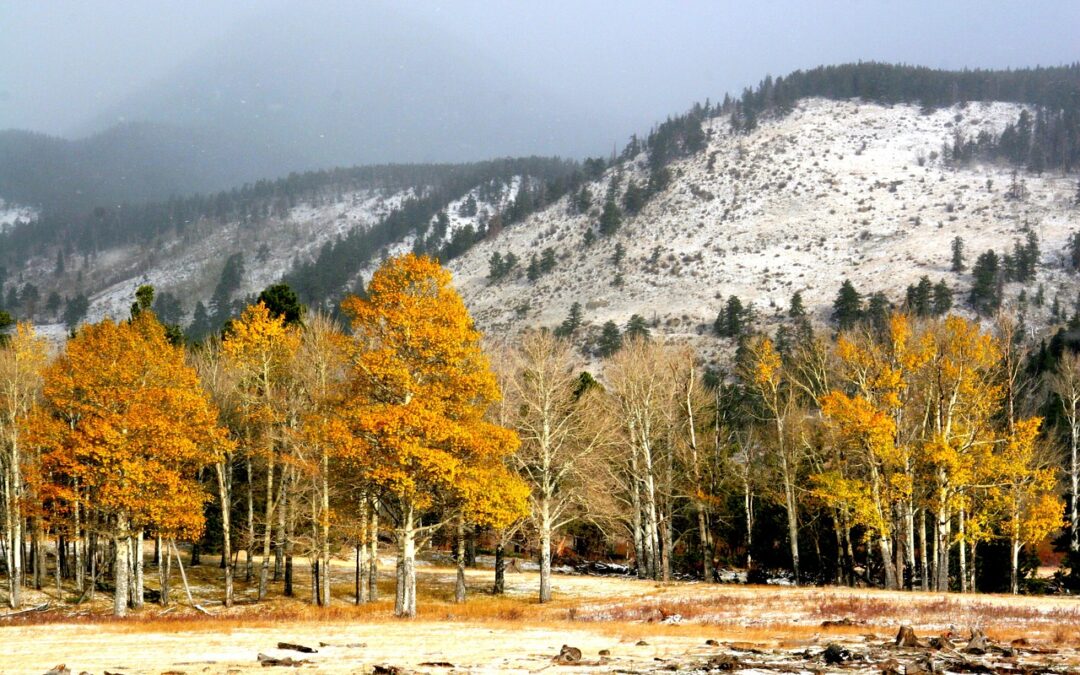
point(130, 162)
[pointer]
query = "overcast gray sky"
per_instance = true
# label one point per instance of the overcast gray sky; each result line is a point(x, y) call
point(64, 63)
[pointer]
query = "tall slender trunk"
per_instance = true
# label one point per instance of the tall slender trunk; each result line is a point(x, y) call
point(924, 568)
point(13, 493)
point(281, 510)
point(137, 559)
point(373, 552)
point(706, 543)
point(249, 548)
point(363, 576)
point(268, 526)
point(288, 506)
point(909, 543)
point(164, 574)
point(459, 586)
point(941, 547)
point(748, 514)
point(1014, 554)
point(225, 498)
point(405, 600)
point(1074, 480)
point(545, 550)
point(324, 524)
point(77, 535)
point(885, 548)
point(792, 513)
point(121, 565)
point(500, 568)
point(962, 523)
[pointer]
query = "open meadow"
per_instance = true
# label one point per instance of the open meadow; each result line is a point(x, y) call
point(619, 625)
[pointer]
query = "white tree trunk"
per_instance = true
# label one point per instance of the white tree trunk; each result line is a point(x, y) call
point(405, 600)
point(545, 551)
point(121, 566)
point(225, 498)
point(459, 586)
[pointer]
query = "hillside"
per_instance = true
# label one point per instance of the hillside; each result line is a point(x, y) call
point(833, 191)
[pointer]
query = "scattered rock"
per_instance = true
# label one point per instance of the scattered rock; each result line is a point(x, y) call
point(922, 666)
point(712, 643)
point(297, 648)
point(437, 664)
point(605, 652)
point(835, 653)
point(289, 662)
point(941, 642)
point(61, 669)
point(386, 670)
point(725, 662)
point(891, 667)
point(846, 621)
point(641, 643)
point(567, 655)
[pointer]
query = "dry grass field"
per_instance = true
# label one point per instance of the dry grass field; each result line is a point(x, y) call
point(643, 626)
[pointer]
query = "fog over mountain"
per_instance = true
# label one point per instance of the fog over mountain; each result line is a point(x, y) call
point(165, 98)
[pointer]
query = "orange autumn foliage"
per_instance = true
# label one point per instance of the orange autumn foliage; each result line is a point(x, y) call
point(421, 391)
point(126, 421)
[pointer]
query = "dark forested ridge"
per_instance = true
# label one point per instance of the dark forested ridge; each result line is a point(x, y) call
point(1047, 139)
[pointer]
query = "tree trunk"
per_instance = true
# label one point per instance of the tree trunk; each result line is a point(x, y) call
point(793, 529)
point(268, 526)
point(748, 514)
point(121, 566)
point(924, 568)
point(459, 586)
point(885, 548)
point(164, 577)
point(80, 571)
point(1014, 556)
point(545, 550)
point(324, 553)
point(1074, 481)
point(941, 547)
point(373, 553)
point(706, 544)
point(15, 537)
point(500, 569)
point(279, 531)
point(363, 575)
point(225, 497)
point(405, 600)
point(137, 559)
point(961, 521)
point(288, 507)
point(249, 549)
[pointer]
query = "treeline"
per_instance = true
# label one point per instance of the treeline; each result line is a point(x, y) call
point(325, 279)
point(919, 454)
point(87, 231)
point(1049, 139)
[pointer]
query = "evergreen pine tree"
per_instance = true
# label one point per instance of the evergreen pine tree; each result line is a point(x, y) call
point(985, 294)
point(796, 310)
point(878, 309)
point(943, 298)
point(637, 328)
point(572, 322)
point(533, 271)
point(958, 255)
point(847, 308)
point(610, 339)
point(610, 217)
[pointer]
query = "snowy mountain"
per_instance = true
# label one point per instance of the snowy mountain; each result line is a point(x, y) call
point(834, 190)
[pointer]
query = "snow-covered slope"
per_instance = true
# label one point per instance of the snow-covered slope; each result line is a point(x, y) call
point(835, 190)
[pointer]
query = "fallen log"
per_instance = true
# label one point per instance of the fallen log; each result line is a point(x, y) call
point(297, 648)
point(29, 610)
point(268, 661)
